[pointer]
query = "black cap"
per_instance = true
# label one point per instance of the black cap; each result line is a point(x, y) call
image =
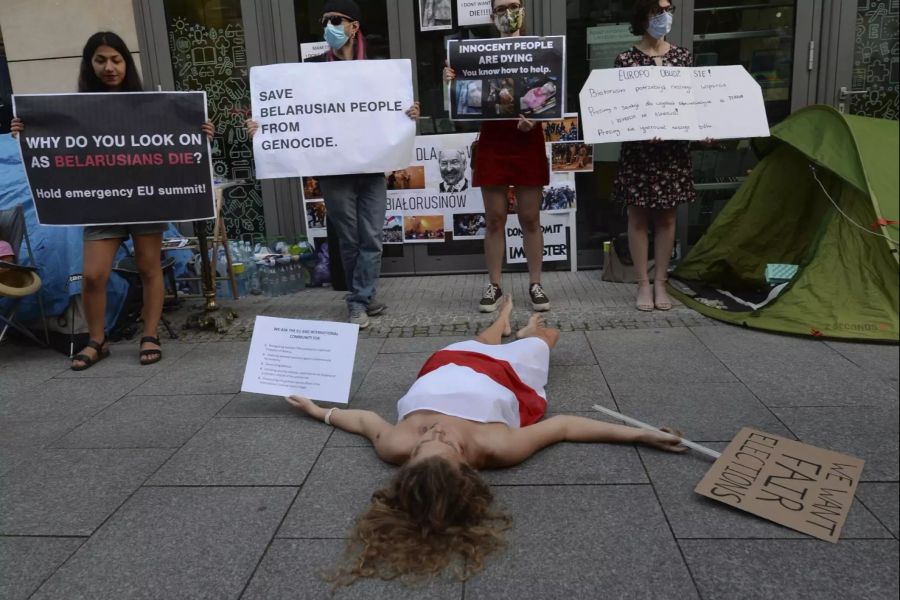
point(344, 7)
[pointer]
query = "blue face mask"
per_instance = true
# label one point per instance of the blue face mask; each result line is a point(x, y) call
point(336, 37)
point(660, 25)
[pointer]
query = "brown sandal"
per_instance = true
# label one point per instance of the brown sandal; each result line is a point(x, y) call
point(154, 354)
point(91, 361)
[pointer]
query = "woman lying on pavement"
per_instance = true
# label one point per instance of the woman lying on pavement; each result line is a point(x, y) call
point(476, 405)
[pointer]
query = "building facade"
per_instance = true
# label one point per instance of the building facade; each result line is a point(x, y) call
point(839, 52)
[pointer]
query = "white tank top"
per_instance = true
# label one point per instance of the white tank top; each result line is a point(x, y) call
point(462, 392)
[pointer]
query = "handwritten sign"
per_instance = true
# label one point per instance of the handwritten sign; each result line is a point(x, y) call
point(357, 123)
point(800, 486)
point(472, 13)
point(672, 103)
point(556, 247)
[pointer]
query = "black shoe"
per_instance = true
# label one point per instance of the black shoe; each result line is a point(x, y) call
point(539, 300)
point(375, 308)
point(490, 300)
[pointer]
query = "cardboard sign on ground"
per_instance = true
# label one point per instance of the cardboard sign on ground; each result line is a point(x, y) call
point(797, 485)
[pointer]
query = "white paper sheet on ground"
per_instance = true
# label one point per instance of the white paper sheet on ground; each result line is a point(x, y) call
point(308, 358)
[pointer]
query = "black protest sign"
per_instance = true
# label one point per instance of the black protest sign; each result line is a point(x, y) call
point(794, 484)
point(506, 77)
point(107, 158)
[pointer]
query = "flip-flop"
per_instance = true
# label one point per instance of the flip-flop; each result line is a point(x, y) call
point(91, 361)
point(155, 353)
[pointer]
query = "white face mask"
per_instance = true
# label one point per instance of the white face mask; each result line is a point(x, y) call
point(660, 25)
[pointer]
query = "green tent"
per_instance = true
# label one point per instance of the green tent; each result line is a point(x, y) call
point(844, 249)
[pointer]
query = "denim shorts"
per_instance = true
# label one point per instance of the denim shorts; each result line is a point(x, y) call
point(109, 232)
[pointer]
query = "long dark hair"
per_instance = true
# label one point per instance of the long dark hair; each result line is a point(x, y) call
point(88, 80)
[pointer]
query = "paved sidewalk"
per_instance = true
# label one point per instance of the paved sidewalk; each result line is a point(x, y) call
point(166, 482)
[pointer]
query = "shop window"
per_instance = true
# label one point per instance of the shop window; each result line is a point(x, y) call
point(206, 42)
point(876, 65)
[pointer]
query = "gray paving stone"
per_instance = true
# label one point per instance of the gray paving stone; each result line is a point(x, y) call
point(28, 434)
point(577, 388)
point(26, 562)
point(124, 361)
point(691, 515)
point(282, 576)
point(703, 412)
point(145, 422)
point(246, 452)
point(23, 367)
point(198, 543)
point(420, 345)
point(871, 434)
point(573, 349)
point(883, 361)
point(583, 542)
point(212, 368)
point(574, 464)
point(656, 355)
point(789, 371)
point(70, 492)
point(67, 398)
point(338, 489)
point(796, 569)
point(882, 500)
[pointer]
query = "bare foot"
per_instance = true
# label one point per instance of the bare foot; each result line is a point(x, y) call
point(662, 302)
point(535, 323)
point(644, 301)
point(506, 308)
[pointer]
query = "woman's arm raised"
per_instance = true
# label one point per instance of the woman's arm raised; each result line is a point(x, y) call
point(361, 422)
point(520, 444)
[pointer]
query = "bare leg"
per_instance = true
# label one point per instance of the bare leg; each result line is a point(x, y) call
point(98, 259)
point(664, 239)
point(493, 335)
point(147, 249)
point(495, 205)
point(537, 328)
point(530, 199)
point(637, 243)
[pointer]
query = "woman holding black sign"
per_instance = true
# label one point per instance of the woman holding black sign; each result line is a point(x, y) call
point(511, 154)
point(107, 66)
point(655, 176)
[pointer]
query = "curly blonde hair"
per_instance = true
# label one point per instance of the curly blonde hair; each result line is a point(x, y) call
point(431, 515)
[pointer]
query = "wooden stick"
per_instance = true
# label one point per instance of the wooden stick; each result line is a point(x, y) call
point(642, 425)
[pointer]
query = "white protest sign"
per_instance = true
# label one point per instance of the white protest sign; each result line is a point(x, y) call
point(672, 103)
point(332, 118)
point(474, 12)
point(311, 49)
point(308, 358)
point(555, 246)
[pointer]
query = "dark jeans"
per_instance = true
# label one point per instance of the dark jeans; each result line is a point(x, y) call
point(356, 206)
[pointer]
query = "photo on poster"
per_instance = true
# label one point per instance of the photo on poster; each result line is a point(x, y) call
point(410, 178)
point(512, 203)
point(540, 95)
point(315, 215)
point(566, 129)
point(311, 190)
point(453, 165)
point(571, 157)
point(559, 197)
point(471, 226)
point(468, 96)
point(393, 229)
point(501, 100)
point(435, 15)
point(427, 228)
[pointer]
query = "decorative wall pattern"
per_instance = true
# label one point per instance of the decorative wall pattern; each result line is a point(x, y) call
point(876, 66)
point(214, 59)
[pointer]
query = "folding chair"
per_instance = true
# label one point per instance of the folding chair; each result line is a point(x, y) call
point(18, 281)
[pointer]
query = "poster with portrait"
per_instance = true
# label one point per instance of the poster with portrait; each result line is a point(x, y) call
point(503, 78)
point(435, 15)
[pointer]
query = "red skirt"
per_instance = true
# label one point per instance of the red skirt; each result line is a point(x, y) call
point(507, 156)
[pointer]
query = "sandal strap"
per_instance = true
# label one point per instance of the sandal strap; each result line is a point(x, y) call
point(98, 346)
point(85, 359)
point(151, 351)
point(149, 339)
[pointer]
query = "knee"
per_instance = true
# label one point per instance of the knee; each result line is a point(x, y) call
point(665, 218)
point(530, 223)
point(149, 267)
point(95, 278)
point(637, 219)
point(496, 223)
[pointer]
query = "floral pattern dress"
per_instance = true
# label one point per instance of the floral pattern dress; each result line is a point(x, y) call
point(655, 175)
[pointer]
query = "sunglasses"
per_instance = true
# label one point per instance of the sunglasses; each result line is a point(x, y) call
point(334, 20)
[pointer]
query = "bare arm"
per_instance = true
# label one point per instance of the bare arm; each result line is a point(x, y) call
point(361, 422)
point(519, 444)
